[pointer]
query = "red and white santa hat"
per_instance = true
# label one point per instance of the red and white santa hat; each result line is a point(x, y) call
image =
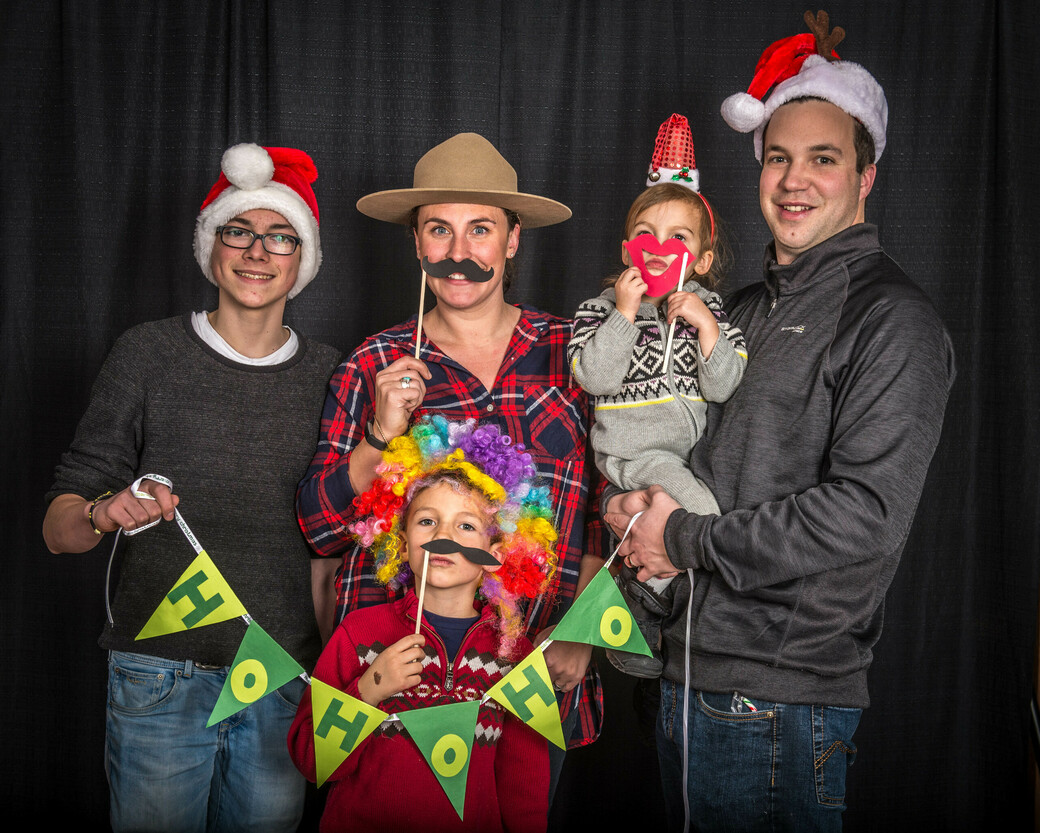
point(807, 65)
point(673, 159)
point(278, 179)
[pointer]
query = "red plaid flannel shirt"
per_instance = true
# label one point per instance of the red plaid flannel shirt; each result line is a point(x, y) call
point(535, 400)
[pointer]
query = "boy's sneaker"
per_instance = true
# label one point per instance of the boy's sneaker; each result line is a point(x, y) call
point(648, 610)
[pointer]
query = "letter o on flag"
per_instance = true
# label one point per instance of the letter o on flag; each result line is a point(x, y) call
point(615, 626)
point(248, 680)
point(449, 756)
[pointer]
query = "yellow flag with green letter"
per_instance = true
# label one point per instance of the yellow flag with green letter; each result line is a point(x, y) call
point(200, 597)
point(341, 722)
point(528, 693)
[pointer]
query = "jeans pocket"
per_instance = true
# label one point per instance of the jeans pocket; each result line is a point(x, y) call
point(290, 694)
point(136, 686)
point(734, 758)
point(833, 750)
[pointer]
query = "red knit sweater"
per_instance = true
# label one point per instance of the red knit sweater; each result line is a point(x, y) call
point(386, 784)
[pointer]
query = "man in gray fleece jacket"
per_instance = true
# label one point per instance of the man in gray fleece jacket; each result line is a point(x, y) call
point(817, 463)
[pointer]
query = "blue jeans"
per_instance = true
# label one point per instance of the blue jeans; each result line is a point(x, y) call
point(780, 768)
point(168, 772)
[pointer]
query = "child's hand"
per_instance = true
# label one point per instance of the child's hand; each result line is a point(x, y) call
point(629, 291)
point(397, 668)
point(689, 307)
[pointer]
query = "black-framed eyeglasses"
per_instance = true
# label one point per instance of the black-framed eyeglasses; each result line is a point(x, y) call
point(275, 242)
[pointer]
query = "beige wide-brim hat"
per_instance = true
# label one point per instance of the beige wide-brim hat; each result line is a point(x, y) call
point(465, 169)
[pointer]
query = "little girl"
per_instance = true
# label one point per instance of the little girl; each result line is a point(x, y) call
point(461, 503)
point(649, 413)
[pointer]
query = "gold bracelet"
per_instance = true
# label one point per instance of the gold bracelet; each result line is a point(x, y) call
point(379, 428)
point(90, 511)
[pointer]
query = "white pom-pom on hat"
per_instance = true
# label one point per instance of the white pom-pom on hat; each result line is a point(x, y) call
point(276, 179)
point(247, 166)
point(743, 112)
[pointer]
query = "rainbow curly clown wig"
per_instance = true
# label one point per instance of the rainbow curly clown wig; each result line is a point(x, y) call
point(486, 461)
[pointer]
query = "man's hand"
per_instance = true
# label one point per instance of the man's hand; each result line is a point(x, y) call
point(621, 508)
point(125, 510)
point(567, 661)
point(643, 549)
point(66, 526)
point(396, 669)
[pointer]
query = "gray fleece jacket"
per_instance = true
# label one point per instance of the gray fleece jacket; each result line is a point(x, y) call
point(817, 461)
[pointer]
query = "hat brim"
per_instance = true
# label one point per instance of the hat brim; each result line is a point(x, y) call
point(396, 206)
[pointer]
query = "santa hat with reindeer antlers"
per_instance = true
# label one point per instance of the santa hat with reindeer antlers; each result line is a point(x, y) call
point(806, 66)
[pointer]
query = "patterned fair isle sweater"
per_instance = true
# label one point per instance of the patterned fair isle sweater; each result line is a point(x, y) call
point(642, 406)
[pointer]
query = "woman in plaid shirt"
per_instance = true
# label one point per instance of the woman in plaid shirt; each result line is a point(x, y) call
point(479, 357)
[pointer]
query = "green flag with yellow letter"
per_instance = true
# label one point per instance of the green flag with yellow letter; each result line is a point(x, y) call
point(444, 735)
point(599, 616)
point(261, 666)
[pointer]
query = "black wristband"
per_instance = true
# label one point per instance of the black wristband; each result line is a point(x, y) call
point(372, 439)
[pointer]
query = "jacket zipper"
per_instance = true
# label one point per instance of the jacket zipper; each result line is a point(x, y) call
point(449, 677)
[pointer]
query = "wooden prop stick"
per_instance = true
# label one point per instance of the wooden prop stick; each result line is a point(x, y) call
point(671, 329)
point(418, 326)
point(422, 589)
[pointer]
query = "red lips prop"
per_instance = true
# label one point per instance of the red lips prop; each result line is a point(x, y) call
point(669, 279)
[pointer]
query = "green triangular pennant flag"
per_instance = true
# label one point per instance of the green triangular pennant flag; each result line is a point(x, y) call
point(599, 616)
point(341, 722)
point(528, 693)
point(261, 665)
point(444, 735)
point(200, 597)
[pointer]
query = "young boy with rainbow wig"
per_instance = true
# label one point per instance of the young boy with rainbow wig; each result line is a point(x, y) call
point(460, 503)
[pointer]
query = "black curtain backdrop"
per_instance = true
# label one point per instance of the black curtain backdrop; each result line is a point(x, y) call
point(114, 117)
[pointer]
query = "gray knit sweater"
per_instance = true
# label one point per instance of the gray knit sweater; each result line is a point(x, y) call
point(643, 409)
point(235, 440)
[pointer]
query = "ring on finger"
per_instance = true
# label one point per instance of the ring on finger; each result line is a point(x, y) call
point(406, 381)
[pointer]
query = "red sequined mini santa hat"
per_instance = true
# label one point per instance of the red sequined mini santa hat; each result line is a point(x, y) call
point(673, 159)
point(278, 179)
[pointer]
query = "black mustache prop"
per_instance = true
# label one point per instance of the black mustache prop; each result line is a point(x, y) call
point(467, 268)
point(475, 555)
